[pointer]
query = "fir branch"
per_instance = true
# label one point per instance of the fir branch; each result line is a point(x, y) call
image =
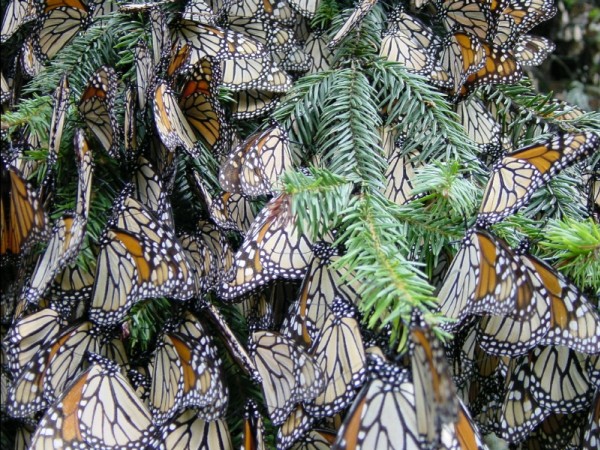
point(85, 53)
point(518, 228)
point(391, 286)
point(575, 246)
point(327, 11)
point(361, 44)
point(522, 98)
point(347, 130)
point(449, 182)
point(34, 114)
point(447, 207)
point(318, 199)
point(562, 196)
point(422, 112)
point(334, 113)
point(301, 108)
point(146, 318)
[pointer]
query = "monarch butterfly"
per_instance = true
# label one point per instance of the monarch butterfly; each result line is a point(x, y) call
point(73, 284)
point(400, 176)
point(306, 8)
point(30, 62)
point(355, 19)
point(141, 7)
point(320, 287)
point(203, 112)
point(383, 413)
point(516, 177)
point(273, 248)
point(61, 104)
point(171, 124)
point(485, 277)
point(216, 43)
point(237, 350)
point(27, 335)
point(486, 372)
point(140, 381)
point(289, 374)
point(319, 439)
point(591, 432)
point(520, 412)
point(593, 368)
point(5, 92)
point(129, 124)
point(164, 160)
point(501, 67)
point(436, 402)
point(199, 11)
point(292, 58)
point(504, 336)
point(240, 211)
point(460, 353)
point(16, 14)
point(254, 166)
point(217, 211)
point(254, 429)
point(237, 73)
point(189, 430)
point(143, 72)
point(139, 258)
point(295, 426)
point(517, 18)
point(279, 41)
point(102, 8)
point(259, 310)
point(148, 189)
point(228, 211)
point(532, 50)
point(280, 13)
point(60, 21)
point(479, 124)
point(178, 60)
point(410, 42)
point(161, 38)
point(340, 353)
point(316, 47)
point(566, 318)
point(412, 27)
point(559, 379)
point(220, 250)
point(68, 232)
point(84, 415)
point(23, 220)
point(463, 434)
point(268, 34)
point(252, 103)
point(97, 109)
point(462, 55)
point(56, 365)
point(568, 307)
point(63, 246)
point(471, 16)
point(186, 373)
point(558, 431)
point(204, 40)
point(202, 261)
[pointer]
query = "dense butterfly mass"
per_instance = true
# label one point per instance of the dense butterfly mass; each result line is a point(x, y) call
point(158, 291)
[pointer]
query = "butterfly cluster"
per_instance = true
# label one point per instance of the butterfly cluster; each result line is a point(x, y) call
point(160, 291)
